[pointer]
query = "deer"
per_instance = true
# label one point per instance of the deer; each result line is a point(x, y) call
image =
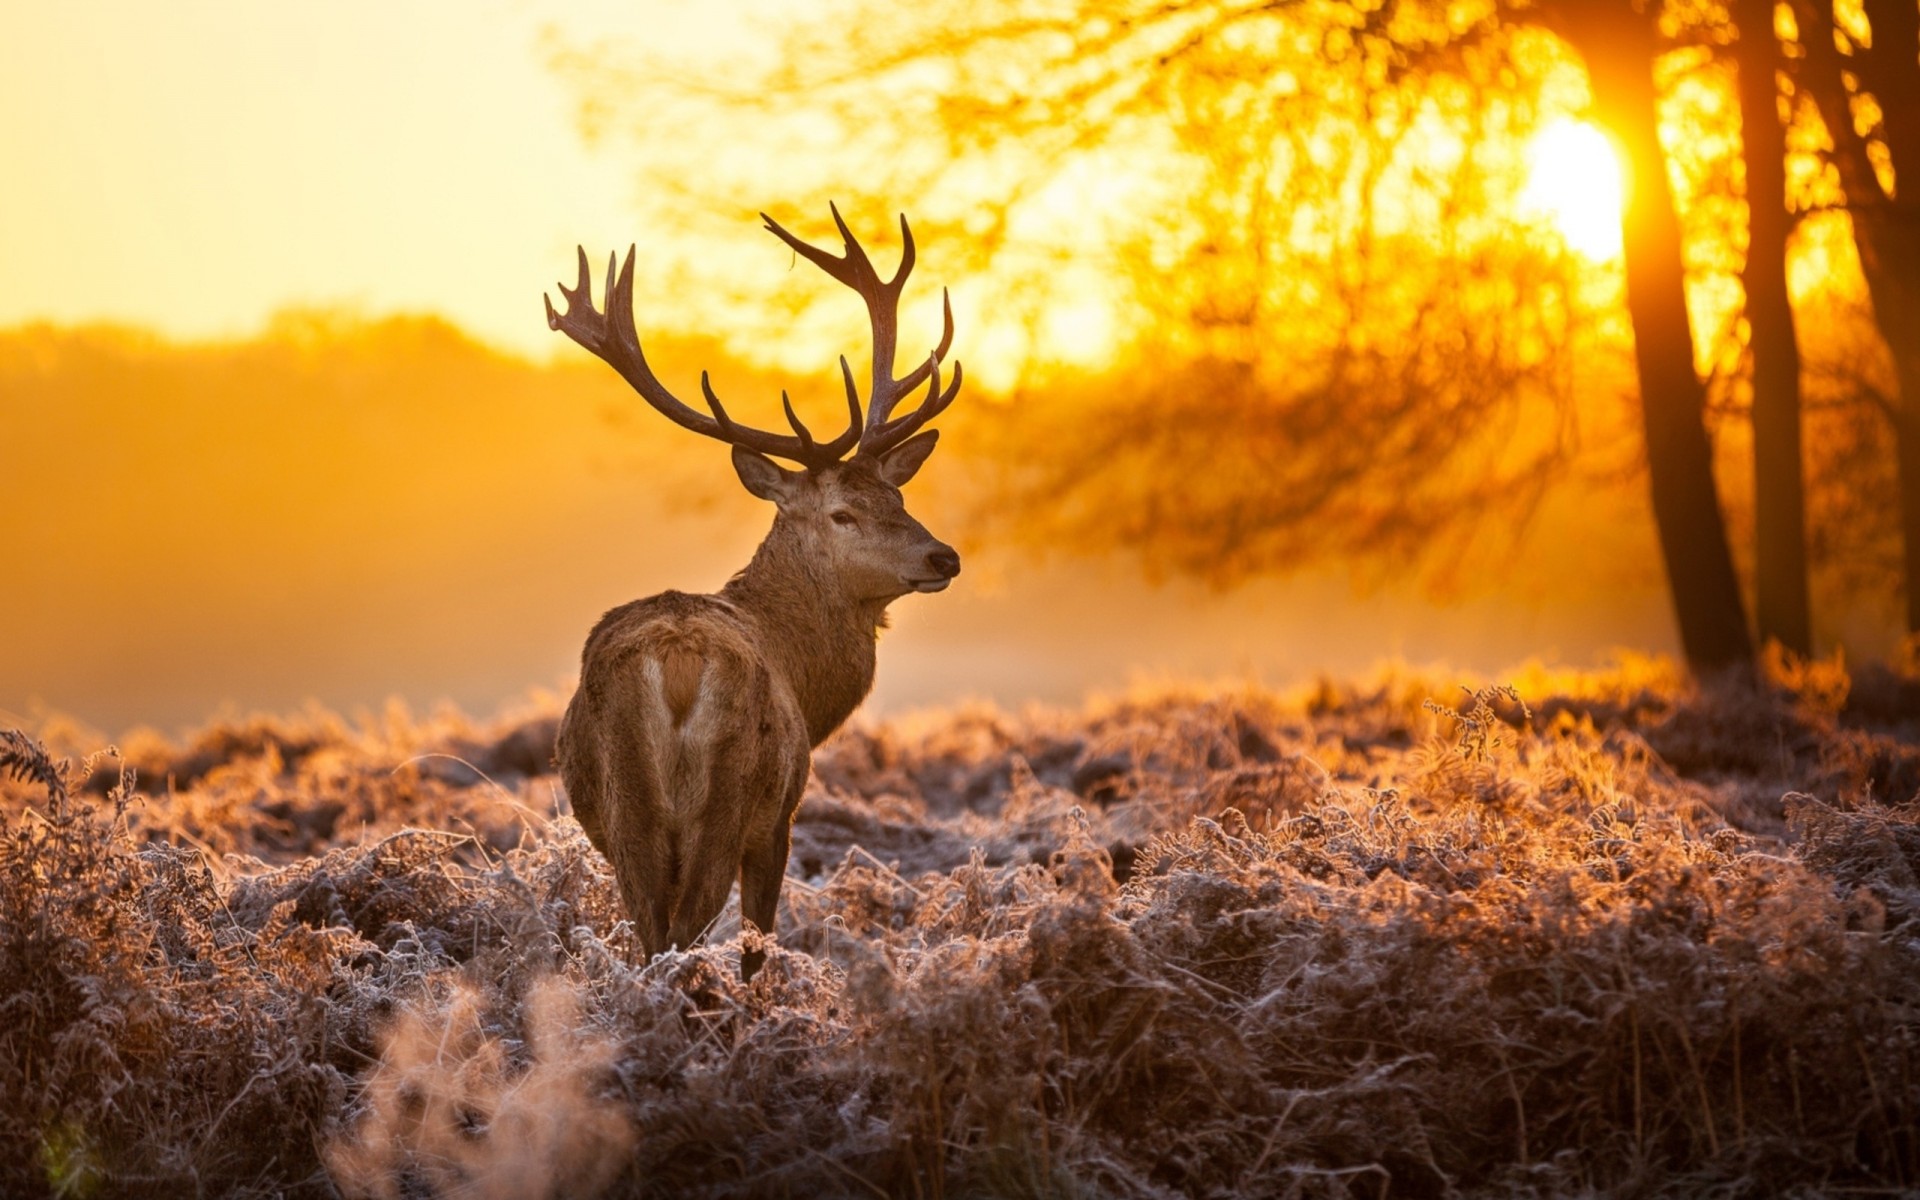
point(686, 747)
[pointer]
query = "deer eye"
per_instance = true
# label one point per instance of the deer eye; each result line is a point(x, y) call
point(844, 519)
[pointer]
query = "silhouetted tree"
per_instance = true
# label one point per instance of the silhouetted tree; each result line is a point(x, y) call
point(1782, 609)
point(1865, 78)
point(1619, 42)
point(1853, 485)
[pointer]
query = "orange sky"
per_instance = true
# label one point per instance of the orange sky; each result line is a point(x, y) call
point(194, 166)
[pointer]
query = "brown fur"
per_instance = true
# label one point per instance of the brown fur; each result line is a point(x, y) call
point(686, 748)
point(681, 670)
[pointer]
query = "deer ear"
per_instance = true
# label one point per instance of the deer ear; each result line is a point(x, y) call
point(903, 461)
point(762, 476)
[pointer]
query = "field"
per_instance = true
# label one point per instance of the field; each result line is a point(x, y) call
point(1597, 933)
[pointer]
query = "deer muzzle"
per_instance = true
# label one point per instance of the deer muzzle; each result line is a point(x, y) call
point(943, 563)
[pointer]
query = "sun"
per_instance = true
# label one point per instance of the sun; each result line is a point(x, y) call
point(1575, 180)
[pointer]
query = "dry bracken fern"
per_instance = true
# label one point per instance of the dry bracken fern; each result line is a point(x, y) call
point(1630, 937)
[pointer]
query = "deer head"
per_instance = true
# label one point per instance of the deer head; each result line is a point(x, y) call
point(845, 513)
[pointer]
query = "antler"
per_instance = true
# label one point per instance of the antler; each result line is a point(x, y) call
point(610, 336)
point(883, 431)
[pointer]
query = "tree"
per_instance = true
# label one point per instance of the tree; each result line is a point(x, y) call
point(1864, 75)
point(1352, 332)
point(1619, 44)
point(1782, 609)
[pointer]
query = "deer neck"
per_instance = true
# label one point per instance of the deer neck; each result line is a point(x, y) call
point(820, 639)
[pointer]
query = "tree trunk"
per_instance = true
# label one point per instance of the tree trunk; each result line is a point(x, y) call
point(1886, 226)
point(1906, 438)
point(1619, 47)
point(1891, 71)
point(1781, 606)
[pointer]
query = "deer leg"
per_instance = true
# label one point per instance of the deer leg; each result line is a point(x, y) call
point(762, 870)
point(644, 870)
point(704, 882)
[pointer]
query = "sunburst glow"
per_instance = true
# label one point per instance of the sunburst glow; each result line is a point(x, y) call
point(1575, 180)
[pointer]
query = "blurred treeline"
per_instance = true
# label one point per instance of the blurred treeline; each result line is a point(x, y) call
point(337, 508)
point(350, 509)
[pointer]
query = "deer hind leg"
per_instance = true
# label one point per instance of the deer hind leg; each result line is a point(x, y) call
point(703, 798)
point(763, 867)
point(704, 882)
point(643, 864)
point(762, 870)
point(636, 835)
point(710, 839)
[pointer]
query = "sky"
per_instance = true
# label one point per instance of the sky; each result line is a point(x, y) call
point(194, 166)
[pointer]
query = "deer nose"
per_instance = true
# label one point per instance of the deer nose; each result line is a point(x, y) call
point(944, 561)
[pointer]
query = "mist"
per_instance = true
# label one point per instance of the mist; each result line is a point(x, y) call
point(349, 512)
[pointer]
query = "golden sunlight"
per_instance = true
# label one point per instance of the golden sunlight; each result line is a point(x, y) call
point(1575, 180)
point(1081, 333)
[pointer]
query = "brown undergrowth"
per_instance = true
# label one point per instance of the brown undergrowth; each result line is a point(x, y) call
point(1602, 933)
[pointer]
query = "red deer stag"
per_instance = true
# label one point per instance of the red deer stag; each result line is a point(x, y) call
point(686, 747)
